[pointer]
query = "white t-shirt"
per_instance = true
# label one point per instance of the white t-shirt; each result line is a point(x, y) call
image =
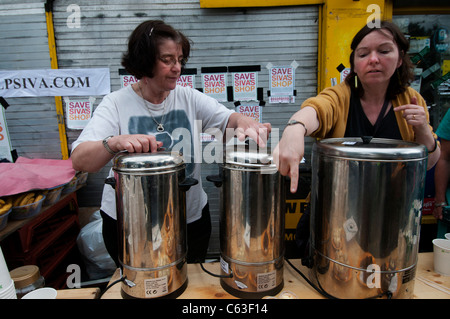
point(185, 111)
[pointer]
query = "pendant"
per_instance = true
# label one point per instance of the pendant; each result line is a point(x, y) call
point(160, 128)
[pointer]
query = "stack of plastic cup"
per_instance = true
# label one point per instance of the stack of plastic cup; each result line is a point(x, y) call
point(7, 288)
point(441, 252)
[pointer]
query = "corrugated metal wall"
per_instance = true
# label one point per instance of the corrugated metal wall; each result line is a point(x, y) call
point(32, 122)
point(221, 37)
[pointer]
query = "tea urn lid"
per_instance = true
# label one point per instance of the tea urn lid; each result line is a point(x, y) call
point(368, 148)
point(250, 158)
point(158, 161)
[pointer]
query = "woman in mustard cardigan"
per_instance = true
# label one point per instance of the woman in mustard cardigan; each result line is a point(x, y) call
point(374, 100)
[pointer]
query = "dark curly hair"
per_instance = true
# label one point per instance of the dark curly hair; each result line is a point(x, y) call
point(404, 75)
point(140, 59)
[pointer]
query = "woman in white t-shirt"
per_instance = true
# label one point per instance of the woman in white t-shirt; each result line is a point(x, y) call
point(143, 116)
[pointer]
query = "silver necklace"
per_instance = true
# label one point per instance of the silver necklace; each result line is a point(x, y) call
point(160, 125)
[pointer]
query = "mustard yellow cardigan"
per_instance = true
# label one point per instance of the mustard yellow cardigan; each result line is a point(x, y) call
point(332, 105)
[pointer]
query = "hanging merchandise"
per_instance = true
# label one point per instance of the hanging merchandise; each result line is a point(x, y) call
point(416, 84)
point(441, 40)
point(418, 43)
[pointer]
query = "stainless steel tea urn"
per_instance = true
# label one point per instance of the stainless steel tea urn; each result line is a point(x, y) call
point(366, 204)
point(251, 223)
point(151, 213)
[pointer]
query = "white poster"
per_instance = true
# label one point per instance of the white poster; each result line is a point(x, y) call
point(187, 80)
point(245, 86)
point(282, 81)
point(127, 79)
point(79, 112)
point(253, 111)
point(215, 85)
point(344, 73)
point(5, 142)
point(54, 82)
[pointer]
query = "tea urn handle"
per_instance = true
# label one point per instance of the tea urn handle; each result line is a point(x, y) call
point(216, 179)
point(111, 181)
point(187, 184)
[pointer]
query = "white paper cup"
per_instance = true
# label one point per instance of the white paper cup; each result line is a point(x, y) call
point(5, 277)
point(441, 252)
point(41, 293)
point(447, 236)
point(8, 292)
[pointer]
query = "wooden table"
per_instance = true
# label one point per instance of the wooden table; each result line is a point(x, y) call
point(80, 293)
point(428, 284)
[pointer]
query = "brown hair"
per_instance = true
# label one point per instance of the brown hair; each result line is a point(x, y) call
point(140, 59)
point(404, 75)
